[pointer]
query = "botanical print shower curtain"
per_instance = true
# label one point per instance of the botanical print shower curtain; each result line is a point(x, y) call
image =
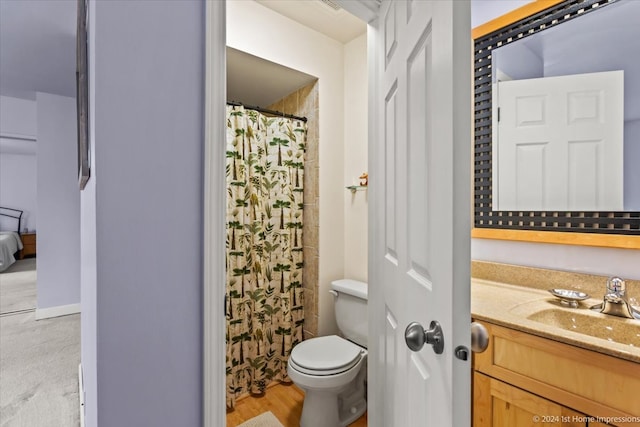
point(265, 172)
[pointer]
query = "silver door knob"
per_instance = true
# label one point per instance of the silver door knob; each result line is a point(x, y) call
point(416, 336)
point(479, 342)
point(479, 337)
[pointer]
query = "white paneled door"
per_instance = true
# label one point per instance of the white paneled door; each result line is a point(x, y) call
point(559, 143)
point(420, 211)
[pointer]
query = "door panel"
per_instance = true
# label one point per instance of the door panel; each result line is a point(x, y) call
point(422, 160)
point(559, 143)
point(419, 142)
point(390, 174)
point(391, 378)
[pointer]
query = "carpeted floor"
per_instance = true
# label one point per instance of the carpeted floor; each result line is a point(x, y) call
point(38, 365)
point(18, 287)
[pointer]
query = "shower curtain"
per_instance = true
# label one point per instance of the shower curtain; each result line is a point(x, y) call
point(264, 298)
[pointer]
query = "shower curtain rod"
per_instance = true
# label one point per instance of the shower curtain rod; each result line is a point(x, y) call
point(267, 111)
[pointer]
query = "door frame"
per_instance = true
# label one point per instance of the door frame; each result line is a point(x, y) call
point(214, 411)
point(213, 357)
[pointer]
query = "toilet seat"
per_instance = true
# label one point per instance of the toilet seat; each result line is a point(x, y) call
point(323, 356)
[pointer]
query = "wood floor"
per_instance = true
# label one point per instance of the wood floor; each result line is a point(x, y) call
point(284, 401)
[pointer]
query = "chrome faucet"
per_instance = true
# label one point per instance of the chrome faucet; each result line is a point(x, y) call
point(616, 301)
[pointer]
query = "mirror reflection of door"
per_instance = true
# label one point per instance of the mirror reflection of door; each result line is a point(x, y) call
point(601, 40)
point(560, 143)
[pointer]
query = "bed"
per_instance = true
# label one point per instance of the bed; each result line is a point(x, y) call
point(10, 241)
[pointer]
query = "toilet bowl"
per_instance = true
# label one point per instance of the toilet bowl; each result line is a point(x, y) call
point(332, 373)
point(332, 370)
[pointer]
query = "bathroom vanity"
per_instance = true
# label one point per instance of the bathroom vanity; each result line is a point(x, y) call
point(548, 364)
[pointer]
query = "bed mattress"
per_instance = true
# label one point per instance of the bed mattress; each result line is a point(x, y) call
point(10, 243)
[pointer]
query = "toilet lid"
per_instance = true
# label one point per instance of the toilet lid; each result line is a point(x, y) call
point(330, 353)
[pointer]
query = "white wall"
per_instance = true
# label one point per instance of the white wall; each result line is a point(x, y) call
point(18, 116)
point(142, 215)
point(621, 262)
point(355, 158)
point(18, 161)
point(18, 189)
point(254, 29)
point(58, 235)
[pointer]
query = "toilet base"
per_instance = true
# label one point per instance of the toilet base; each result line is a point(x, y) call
point(318, 402)
point(323, 408)
point(333, 413)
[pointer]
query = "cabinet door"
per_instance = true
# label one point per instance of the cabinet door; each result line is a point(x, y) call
point(590, 382)
point(498, 404)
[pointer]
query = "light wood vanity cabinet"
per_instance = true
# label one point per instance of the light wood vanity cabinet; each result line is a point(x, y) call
point(525, 380)
point(498, 404)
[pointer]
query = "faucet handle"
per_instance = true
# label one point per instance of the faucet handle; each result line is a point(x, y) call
point(616, 285)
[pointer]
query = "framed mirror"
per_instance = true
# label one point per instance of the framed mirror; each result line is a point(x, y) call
point(82, 94)
point(557, 124)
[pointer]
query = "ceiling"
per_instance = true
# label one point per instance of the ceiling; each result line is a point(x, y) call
point(37, 47)
point(38, 54)
point(321, 16)
point(257, 82)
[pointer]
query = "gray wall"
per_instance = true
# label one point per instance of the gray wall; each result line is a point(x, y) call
point(485, 10)
point(58, 237)
point(18, 189)
point(631, 169)
point(18, 161)
point(88, 256)
point(143, 213)
point(518, 62)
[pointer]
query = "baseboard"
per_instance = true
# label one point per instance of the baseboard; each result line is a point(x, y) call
point(57, 311)
point(81, 394)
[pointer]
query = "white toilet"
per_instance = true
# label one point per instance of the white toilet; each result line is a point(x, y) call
point(332, 370)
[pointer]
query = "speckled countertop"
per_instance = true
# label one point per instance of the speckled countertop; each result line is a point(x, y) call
point(537, 312)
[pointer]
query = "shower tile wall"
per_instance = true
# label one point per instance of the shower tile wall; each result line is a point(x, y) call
point(304, 102)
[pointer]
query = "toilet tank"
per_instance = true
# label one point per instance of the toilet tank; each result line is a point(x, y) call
point(351, 309)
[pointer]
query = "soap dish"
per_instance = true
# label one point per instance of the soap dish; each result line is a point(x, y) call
point(569, 297)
